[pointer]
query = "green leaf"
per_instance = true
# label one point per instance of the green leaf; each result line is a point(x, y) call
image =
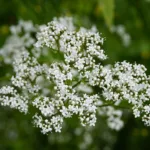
point(108, 11)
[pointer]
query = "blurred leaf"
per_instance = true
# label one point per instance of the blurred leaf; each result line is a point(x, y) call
point(4, 29)
point(108, 11)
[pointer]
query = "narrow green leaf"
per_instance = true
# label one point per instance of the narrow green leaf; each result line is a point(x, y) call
point(108, 11)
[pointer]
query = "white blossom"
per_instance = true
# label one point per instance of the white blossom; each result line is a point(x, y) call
point(64, 88)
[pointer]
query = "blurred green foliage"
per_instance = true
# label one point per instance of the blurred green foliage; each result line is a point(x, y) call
point(16, 130)
point(108, 11)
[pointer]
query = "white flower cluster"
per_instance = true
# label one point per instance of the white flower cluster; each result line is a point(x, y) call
point(129, 82)
point(113, 117)
point(21, 38)
point(11, 98)
point(121, 32)
point(56, 89)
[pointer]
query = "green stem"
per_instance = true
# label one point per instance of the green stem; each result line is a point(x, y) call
point(75, 85)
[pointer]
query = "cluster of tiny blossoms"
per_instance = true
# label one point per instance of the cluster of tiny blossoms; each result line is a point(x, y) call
point(65, 88)
point(19, 40)
point(22, 39)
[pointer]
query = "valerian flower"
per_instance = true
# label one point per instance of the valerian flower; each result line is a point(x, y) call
point(64, 88)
